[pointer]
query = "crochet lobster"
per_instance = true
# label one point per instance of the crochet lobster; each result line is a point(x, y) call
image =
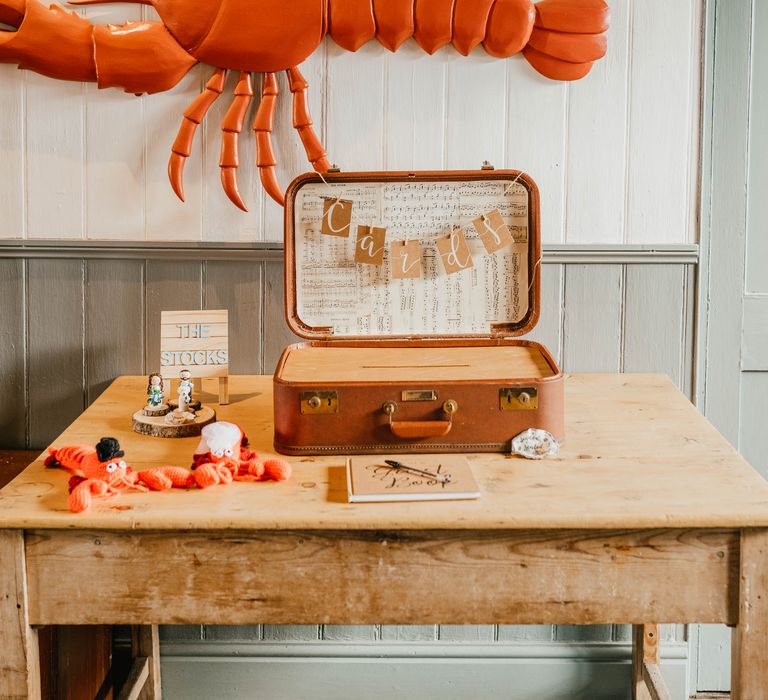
point(559, 38)
point(223, 456)
point(101, 472)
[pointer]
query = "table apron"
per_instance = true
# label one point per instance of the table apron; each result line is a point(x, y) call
point(392, 577)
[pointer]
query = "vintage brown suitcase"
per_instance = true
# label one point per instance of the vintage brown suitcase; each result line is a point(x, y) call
point(426, 364)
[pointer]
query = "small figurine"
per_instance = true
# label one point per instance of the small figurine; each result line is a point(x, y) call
point(184, 413)
point(155, 394)
point(185, 390)
point(163, 417)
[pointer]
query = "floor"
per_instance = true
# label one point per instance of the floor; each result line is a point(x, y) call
point(12, 462)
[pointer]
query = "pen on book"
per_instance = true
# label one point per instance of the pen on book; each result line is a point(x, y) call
point(422, 472)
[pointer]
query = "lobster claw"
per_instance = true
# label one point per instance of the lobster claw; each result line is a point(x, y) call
point(12, 12)
point(38, 28)
point(138, 57)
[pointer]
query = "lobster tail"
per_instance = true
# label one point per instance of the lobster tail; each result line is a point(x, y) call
point(50, 461)
point(277, 469)
point(510, 24)
point(351, 23)
point(559, 38)
point(72, 458)
point(568, 36)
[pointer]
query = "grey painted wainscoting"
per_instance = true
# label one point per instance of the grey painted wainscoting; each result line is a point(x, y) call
point(73, 317)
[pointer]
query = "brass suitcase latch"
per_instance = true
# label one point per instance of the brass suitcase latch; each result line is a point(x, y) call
point(518, 398)
point(319, 402)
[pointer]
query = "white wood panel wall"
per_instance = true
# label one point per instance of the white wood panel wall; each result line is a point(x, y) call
point(615, 154)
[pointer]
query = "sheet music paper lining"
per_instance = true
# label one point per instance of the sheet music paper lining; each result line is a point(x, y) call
point(358, 299)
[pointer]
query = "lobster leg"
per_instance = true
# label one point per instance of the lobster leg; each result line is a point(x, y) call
point(302, 121)
point(193, 116)
point(231, 127)
point(262, 125)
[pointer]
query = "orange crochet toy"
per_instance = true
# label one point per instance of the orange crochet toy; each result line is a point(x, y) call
point(223, 456)
point(101, 472)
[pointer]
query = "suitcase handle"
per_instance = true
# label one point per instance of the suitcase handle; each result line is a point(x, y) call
point(416, 429)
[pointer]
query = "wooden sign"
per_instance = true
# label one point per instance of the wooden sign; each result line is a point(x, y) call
point(197, 341)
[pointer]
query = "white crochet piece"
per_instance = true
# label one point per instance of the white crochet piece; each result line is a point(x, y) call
point(219, 437)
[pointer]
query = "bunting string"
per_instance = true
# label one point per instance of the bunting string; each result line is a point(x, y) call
point(452, 245)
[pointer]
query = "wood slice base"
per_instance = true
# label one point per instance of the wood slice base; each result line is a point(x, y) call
point(156, 426)
point(160, 410)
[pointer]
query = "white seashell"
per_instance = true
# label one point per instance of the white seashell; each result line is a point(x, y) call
point(535, 443)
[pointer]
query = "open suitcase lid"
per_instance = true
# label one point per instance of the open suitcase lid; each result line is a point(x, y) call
point(329, 296)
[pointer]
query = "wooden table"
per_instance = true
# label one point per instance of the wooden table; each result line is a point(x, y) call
point(647, 516)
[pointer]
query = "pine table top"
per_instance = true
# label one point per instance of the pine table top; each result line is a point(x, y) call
point(637, 455)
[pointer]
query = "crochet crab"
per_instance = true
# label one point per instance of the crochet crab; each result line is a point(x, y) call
point(223, 456)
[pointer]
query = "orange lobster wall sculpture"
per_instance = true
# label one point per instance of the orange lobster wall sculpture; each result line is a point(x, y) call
point(559, 38)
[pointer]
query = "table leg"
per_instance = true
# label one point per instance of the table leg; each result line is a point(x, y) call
point(145, 644)
point(749, 647)
point(647, 681)
point(19, 651)
point(223, 391)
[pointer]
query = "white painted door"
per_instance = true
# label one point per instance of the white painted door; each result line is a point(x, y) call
point(733, 309)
